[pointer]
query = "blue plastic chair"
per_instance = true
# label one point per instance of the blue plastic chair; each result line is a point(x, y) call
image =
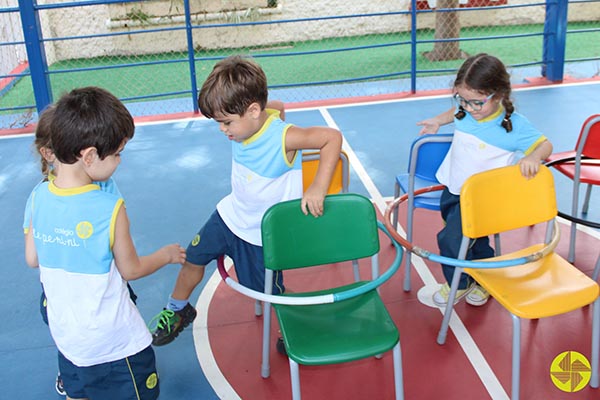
point(426, 154)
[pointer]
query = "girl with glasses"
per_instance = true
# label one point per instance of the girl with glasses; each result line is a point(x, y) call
point(488, 134)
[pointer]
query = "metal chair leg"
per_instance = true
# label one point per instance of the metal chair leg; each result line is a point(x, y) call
point(516, 357)
point(398, 380)
point(295, 378)
point(596, 269)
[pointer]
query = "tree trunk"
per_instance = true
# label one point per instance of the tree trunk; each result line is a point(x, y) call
point(447, 26)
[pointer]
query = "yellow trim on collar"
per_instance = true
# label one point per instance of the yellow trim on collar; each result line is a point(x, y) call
point(71, 191)
point(494, 115)
point(272, 115)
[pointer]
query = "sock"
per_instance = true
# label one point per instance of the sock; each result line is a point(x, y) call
point(176, 305)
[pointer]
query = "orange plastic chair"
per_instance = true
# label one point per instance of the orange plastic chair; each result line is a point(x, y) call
point(582, 165)
point(341, 175)
point(500, 200)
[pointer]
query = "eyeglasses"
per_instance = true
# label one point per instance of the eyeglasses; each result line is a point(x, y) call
point(475, 105)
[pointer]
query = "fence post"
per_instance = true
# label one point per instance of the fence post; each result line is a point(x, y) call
point(191, 54)
point(36, 55)
point(555, 34)
point(413, 46)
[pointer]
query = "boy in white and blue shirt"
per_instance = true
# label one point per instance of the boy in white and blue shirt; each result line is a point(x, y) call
point(79, 238)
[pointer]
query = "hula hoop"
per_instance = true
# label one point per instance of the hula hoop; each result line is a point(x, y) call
point(547, 249)
point(320, 299)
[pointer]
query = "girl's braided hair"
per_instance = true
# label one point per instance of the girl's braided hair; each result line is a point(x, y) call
point(486, 74)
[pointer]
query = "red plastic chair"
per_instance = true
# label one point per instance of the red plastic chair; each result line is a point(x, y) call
point(582, 165)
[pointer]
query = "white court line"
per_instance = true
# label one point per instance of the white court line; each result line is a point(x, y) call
point(204, 352)
point(474, 355)
point(200, 326)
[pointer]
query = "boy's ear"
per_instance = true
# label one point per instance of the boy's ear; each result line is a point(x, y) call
point(254, 110)
point(89, 155)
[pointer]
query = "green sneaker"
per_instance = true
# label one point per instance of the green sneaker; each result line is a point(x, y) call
point(169, 323)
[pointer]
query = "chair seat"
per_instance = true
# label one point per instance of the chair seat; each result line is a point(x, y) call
point(311, 332)
point(543, 288)
point(590, 170)
point(429, 200)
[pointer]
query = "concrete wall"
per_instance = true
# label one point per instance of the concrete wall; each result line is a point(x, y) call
point(116, 18)
point(10, 31)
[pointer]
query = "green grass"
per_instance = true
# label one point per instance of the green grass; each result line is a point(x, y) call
point(143, 80)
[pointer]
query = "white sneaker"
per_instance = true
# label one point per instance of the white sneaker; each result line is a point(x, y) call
point(440, 298)
point(478, 296)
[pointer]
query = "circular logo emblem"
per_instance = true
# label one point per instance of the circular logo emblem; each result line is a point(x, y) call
point(570, 371)
point(196, 240)
point(84, 229)
point(152, 381)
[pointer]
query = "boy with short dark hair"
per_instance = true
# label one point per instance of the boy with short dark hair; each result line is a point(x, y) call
point(266, 169)
point(79, 238)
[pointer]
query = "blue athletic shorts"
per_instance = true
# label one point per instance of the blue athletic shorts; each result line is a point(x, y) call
point(132, 378)
point(215, 239)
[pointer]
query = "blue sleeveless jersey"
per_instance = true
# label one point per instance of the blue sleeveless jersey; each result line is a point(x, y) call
point(90, 314)
point(261, 176)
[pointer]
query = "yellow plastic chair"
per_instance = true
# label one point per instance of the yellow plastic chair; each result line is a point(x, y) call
point(353, 323)
point(500, 200)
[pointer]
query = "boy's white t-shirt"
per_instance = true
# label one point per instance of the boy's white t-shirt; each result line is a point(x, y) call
point(261, 176)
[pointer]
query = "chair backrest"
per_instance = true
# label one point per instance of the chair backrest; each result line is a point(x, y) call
point(588, 143)
point(502, 199)
point(347, 230)
point(427, 153)
point(341, 174)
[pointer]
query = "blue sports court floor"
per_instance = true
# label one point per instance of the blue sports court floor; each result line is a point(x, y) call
point(172, 175)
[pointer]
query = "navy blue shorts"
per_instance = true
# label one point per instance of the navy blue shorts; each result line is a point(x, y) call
point(216, 239)
point(132, 378)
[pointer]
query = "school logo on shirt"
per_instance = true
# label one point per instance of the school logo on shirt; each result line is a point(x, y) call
point(570, 371)
point(196, 240)
point(84, 229)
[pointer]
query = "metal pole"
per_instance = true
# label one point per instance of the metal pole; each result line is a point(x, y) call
point(36, 54)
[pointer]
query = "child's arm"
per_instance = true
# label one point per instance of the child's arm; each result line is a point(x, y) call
point(431, 125)
point(130, 265)
point(329, 142)
point(279, 106)
point(530, 164)
point(30, 252)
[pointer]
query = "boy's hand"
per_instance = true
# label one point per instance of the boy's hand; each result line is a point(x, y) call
point(312, 202)
point(175, 253)
point(529, 166)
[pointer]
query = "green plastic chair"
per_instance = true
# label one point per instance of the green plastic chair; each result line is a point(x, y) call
point(343, 330)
